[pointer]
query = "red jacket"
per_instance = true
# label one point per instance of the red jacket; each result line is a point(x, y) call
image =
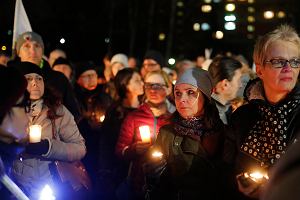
point(129, 134)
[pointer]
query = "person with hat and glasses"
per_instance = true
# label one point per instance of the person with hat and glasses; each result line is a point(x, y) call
point(153, 61)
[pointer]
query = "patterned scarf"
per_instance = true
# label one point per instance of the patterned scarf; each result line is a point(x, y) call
point(268, 138)
point(192, 127)
point(35, 109)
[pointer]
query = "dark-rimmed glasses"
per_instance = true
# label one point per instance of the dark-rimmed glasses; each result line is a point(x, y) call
point(154, 86)
point(279, 63)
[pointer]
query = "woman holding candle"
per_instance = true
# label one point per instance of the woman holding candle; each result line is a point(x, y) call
point(153, 113)
point(57, 139)
point(129, 86)
point(191, 145)
point(266, 126)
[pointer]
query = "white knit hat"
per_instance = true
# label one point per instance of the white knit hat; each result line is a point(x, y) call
point(119, 58)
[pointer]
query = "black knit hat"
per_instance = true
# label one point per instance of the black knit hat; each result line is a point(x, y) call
point(84, 66)
point(61, 61)
point(28, 67)
point(12, 87)
point(155, 55)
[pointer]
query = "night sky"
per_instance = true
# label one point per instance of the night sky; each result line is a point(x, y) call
point(92, 28)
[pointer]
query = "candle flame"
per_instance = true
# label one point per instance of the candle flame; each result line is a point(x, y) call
point(157, 154)
point(102, 117)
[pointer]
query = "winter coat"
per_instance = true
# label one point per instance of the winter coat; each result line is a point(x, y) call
point(193, 171)
point(32, 172)
point(246, 118)
point(130, 134)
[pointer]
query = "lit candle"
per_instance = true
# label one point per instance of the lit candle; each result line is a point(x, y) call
point(145, 133)
point(157, 154)
point(257, 176)
point(35, 132)
point(102, 117)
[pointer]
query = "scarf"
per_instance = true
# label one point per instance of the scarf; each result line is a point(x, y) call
point(35, 109)
point(193, 127)
point(268, 138)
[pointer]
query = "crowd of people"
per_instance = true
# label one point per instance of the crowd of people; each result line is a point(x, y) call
point(219, 131)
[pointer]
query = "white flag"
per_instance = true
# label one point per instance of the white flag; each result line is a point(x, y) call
point(21, 22)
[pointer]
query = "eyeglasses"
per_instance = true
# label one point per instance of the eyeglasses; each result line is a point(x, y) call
point(89, 76)
point(151, 65)
point(36, 78)
point(279, 63)
point(154, 86)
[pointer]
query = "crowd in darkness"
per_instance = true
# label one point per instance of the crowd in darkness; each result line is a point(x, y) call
point(209, 130)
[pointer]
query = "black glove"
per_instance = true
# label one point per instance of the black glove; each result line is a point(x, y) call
point(37, 148)
point(153, 169)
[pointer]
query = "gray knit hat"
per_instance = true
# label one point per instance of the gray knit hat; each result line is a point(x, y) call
point(197, 77)
point(119, 58)
point(28, 36)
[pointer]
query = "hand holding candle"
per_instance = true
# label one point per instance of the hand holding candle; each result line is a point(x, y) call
point(35, 132)
point(145, 134)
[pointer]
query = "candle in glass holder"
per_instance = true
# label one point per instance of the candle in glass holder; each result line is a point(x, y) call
point(35, 133)
point(145, 133)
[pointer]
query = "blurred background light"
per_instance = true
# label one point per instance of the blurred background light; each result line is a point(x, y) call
point(230, 7)
point(268, 14)
point(229, 26)
point(196, 27)
point(206, 8)
point(230, 18)
point(205, 26)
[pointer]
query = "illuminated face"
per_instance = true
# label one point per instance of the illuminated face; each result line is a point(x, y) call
point(31, 51)
point(155, 89)
point(35, 86)
point(279, 80)
point(88, 79)
point(63, 68)
point(189, 100)
point(136, 85)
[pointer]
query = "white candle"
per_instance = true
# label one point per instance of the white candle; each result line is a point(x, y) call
point(35, 132)
point(145, 133)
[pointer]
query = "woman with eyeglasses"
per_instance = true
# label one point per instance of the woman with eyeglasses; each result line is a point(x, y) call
point(264, 128)
point(191, 145)
point(60, 137)
point(153, 114)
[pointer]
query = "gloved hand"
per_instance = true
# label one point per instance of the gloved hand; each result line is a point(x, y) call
point(249, 187)
point(139, 147)
point(153, 169)
point(38, 148)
